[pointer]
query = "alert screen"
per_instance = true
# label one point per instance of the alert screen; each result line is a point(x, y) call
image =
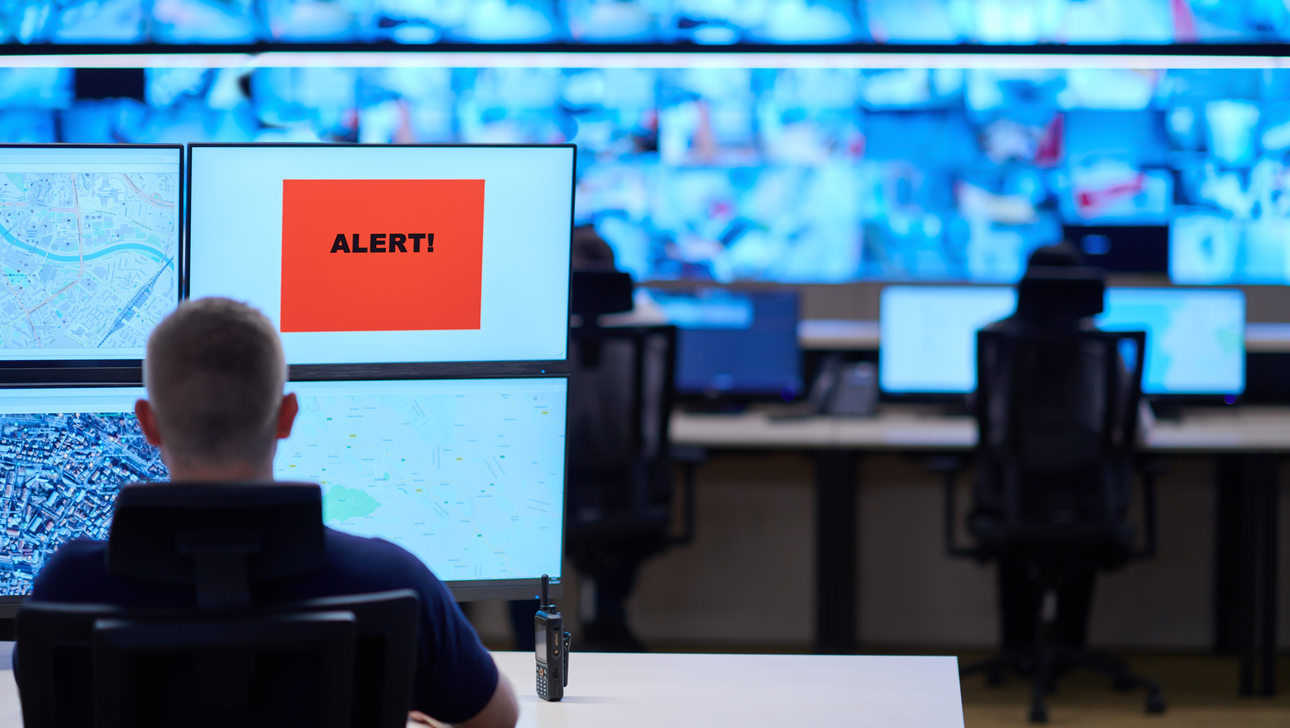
point(367, 254)
point(409, 253)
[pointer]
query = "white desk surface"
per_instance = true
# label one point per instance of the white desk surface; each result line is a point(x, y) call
point(1238, 429)
point(654, 690)
point(651, 690)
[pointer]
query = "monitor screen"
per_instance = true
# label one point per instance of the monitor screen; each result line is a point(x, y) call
point(1195, 338)
point(468, 475)
point(735, 343)
point(89, 246)
point(928, 335)
point(64, 454)
point(379, 254)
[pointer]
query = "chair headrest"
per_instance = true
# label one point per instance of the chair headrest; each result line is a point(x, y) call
point(159, 528)
point(1060, 292)
point(597, 292)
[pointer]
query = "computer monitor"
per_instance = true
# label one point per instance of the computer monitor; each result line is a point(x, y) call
point(928, 336)
point(468, 475)
point(1195, 337)
point(734, 343)
point(389, 254)
point(89, 247)
point(64, 454)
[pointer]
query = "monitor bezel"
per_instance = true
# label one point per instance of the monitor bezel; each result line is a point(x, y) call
point(105, 371)
point(468, 590)
point(486, 368)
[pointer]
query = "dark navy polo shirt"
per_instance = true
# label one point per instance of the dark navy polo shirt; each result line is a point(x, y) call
point(456, 676)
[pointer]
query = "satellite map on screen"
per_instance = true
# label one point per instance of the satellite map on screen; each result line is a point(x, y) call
point(60, 474)
point(467, 476)
point(1195, 338)
point(87, 259)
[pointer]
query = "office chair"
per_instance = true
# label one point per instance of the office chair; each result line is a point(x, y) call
point(1057, 423)
point(334, 661)
point(619, 510)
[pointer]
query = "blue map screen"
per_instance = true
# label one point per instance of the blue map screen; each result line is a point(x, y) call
point(1195, 338)
point(64, 455)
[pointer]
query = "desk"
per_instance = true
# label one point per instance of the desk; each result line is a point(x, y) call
point(906, 429)
point(652, 690)
point(1251, 439)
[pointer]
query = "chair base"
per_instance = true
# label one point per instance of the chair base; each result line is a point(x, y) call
point(1047, 662)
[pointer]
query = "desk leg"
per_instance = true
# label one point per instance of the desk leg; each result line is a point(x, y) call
point(1269, 514)
point(835, 552)
point(1246, 577)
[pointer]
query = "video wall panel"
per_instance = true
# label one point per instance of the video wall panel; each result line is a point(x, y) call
point(793, 175)
point(708, 22)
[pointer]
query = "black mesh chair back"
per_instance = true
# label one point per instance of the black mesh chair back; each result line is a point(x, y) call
point(337, 661)
point(1056, 416)
point(619, 405)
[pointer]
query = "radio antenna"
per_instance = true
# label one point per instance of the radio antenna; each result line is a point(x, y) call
point(546, 581)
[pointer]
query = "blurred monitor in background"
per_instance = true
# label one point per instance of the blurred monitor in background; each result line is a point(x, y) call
point(928, 335)
point(1195, 337)
point(738, 344)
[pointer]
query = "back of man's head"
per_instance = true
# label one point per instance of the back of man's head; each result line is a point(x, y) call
point(1061, 255)
point(215, 373)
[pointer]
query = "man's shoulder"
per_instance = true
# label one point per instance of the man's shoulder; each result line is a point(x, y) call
point(356, 564)
point(77, 566)
point(351, 547)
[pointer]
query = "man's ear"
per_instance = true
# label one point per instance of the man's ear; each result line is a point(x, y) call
point(287, 415)
point(147, 422)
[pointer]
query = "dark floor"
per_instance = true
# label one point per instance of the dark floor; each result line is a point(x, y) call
point(1201, 690)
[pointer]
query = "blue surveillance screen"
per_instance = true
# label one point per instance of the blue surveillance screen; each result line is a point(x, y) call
point(734, 343)
point(736, 173)
point(1195, 337)
point(705, 22)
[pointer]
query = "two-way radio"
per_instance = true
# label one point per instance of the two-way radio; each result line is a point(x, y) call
point(552, 649)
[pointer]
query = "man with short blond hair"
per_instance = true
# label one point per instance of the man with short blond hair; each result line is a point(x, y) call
point(215, 374)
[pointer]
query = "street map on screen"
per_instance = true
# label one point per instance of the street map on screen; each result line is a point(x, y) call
point(89, 240)
point(468, 475)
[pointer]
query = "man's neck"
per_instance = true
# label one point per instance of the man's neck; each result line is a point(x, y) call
point(222, 473)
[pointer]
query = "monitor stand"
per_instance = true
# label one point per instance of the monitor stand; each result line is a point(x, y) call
point(1169, 411)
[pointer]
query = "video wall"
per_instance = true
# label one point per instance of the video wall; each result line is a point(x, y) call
point(646, 21)
point(802, 175)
